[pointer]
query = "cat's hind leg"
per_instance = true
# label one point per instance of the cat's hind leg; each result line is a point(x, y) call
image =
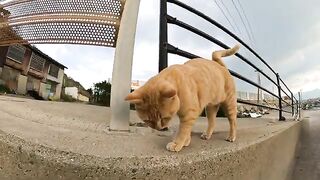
point(230, 109)
point(211, 115)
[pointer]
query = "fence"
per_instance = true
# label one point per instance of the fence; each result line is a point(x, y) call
point(165, 47)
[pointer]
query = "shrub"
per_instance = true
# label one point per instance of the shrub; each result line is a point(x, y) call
point(67, 98)
point(4, 89)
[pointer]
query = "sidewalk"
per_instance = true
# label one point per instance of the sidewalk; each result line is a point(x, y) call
point(77, 134)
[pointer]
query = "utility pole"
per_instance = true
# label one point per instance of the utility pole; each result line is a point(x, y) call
point(259, 90)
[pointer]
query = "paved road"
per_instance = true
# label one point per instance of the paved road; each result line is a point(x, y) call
point(308, 160)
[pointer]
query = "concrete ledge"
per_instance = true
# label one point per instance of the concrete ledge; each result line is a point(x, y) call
point(67, 146)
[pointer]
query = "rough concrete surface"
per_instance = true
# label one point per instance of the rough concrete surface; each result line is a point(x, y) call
point(55, 140)
point(307, 165)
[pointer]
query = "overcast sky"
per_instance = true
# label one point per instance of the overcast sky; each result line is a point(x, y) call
point(286, 34)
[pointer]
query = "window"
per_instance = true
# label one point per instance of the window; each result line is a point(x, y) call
point(37, 62)
point(16, 53)
point(54, 70)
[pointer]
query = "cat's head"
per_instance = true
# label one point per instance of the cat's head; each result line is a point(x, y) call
point(156, 103)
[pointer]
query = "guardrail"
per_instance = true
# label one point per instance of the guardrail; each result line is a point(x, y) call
point(165, 48)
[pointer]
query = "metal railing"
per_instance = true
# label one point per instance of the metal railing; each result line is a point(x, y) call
point(165, 48)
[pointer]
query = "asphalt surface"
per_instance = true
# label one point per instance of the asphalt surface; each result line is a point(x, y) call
point(308, 159)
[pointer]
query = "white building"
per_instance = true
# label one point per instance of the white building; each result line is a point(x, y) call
point(135, 84)
point(76, 94)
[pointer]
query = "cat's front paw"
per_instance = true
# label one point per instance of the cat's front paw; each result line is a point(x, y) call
point(174, 147)
point(204, 136)
point(231, 138)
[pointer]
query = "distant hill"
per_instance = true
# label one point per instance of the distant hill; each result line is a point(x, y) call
point(311, 94)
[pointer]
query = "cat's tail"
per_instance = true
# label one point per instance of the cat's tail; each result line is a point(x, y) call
point(216, 55)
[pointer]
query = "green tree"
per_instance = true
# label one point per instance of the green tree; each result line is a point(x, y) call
point(102, 93)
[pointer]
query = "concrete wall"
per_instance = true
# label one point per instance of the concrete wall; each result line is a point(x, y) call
point(72, 91)
point(59, 86)
point(44, 90)
point(57, 80)
point(22, 84)
point(268, 159)
point(83, 98)
point(10, 77)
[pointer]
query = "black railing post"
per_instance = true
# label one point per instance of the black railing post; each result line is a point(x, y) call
point(280, 99)
point(298, 113)
point(163, 38)
point(292, 104)
point(299, 105)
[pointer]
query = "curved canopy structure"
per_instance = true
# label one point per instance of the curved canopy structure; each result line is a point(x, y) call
point(90, 22)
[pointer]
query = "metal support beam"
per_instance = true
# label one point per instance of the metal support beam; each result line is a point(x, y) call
point(122, 67)
point(280, 99)
point(299, 107)
point(292, 104)
point(163, 37)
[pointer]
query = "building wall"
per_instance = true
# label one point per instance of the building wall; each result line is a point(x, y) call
point(44, 90)
point(21, 77)
point(72, 91)
point(3, 53)
point(0, 72)
point(59, 86)
point(22, 84)
point(83, 98)
point(10, 77)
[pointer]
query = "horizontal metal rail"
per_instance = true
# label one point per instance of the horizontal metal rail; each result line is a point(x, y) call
point(255, 104)
point(166, 48)
point(251, 82)
point(285, 86)
point(194, 11)
point(186, 26)
point(286, 102)
point(175, 50)
point(286, 93)
point(286, 111)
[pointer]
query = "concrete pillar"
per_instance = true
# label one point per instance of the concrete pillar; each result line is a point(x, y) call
point(26, 62)
point(22, 84)
point(59, 86)
point(58, 91)
point(122, 67)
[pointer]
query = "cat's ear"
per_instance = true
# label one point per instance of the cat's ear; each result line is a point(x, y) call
point(168, 92)
point(134, 98)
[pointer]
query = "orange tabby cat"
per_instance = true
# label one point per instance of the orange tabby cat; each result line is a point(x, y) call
point(186, 90)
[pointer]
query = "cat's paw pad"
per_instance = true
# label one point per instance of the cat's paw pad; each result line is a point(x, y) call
point(230, 139)
point(172, 146)
point(204, 136)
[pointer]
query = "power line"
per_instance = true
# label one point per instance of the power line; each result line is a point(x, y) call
point(235, 22)
point(224, 14)
point(248, 22)
point(245, 26)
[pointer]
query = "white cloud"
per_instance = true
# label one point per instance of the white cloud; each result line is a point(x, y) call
point(305, 81)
